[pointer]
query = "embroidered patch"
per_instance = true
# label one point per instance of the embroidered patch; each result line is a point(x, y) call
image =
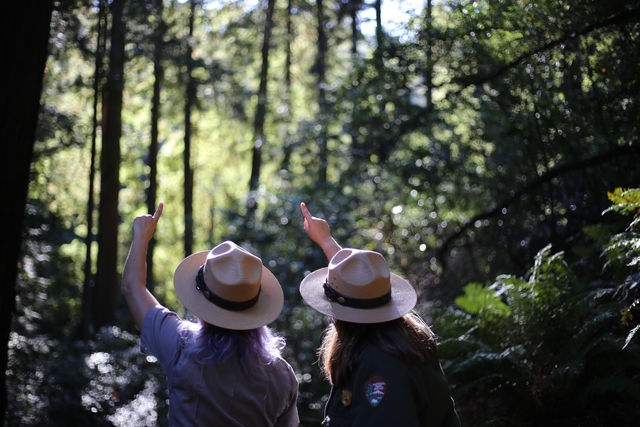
point(346, 397)
point(374, 389)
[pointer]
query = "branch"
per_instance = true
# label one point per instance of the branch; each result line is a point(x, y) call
point(624, 17)
point(542, 179)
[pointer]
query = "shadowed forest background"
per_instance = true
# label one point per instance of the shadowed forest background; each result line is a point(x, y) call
point(489, 149)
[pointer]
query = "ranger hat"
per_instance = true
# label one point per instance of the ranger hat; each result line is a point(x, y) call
point(228, 287)
point(358, 287)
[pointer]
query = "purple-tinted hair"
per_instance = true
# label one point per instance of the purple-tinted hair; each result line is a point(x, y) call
point(213, 344)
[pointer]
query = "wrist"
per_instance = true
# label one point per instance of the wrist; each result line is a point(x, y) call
point(330, 247)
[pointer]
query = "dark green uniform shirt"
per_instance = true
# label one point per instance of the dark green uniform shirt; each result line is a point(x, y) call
point(385, 391)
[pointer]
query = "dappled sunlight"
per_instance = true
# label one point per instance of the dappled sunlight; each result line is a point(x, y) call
point(472, 143)
point(140, 412)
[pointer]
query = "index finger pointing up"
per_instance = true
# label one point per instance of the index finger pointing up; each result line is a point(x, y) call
point(158, 212)
point(305, 211)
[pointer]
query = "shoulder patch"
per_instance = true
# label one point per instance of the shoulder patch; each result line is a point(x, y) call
point(346, 397)
point(374, 389)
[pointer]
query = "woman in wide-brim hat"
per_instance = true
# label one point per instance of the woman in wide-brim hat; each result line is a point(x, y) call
point(379, 356)
point(227, 368)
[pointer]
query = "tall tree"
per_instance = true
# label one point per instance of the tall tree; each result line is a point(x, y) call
point(88, 264)
point(354, 8)
point(321, 73)
point(21, 85)
point(428, 25)
point(287, 145)
point(188, 171)
point(379, 30)
point(158, 74)
point(261, 112)
point(351, 8)
point(107, 280)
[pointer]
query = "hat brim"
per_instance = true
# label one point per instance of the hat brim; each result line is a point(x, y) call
point(266, 310)
point(403, 299)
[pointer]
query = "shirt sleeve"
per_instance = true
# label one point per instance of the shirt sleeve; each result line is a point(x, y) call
point(160, 336)
point(290, 418)
point(383, 394)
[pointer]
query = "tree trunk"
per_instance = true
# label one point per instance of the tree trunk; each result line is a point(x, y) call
point(429, 73)
point(158, 73)
point(354, 6)
point(378, 9)
point(107, 280)
point(87, 290)
point(261, 112)
point(188, 172)
point(287, 145)
point(321, 67)
point(21, 84)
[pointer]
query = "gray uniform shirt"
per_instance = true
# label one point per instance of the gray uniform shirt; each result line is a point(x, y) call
point(218, 394)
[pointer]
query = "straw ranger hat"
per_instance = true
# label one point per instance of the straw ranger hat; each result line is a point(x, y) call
point(228, 287)
point(358, 287)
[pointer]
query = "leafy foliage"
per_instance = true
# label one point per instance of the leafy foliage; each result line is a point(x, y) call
point(51, 372)
point(624, 250)
point(472, 144)
point(548, 349)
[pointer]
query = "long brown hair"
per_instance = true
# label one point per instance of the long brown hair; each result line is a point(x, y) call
point(407, 338)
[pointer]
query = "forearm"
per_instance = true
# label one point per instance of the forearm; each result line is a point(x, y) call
point(134, 280)
point(330, 247)
point(135, 267)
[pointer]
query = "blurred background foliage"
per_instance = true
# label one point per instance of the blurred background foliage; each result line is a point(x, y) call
point(488, 149)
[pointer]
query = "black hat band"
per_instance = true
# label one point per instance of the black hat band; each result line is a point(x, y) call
point(218, 300)
point(335, 296)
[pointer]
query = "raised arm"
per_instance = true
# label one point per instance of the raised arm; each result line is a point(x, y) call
point(134, 276)
point(318, 230)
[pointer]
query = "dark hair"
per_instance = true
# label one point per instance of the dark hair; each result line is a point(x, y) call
point(213, 344)
point(407, 338)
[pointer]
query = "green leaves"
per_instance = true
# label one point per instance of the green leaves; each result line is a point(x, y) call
point(623, 254)
point(481, 301)
point(625, 201)
point(551, 343)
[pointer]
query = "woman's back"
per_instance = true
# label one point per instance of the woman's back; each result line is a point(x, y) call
point(227, 395)
point(385, 390)
point(218, 393)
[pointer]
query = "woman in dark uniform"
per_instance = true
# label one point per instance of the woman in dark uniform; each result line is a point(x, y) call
point(379, 356)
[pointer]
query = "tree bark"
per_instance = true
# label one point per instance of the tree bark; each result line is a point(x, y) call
point(321, 67)
point(261, 112)
point(429, 73)
point(158, 73)
point(87, 290)
point(379, 34)
point(107, 280)
point(354, 7)
point(188, 172)
point(287, 146)
point(20, 85)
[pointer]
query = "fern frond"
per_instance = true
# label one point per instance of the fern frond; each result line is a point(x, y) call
point(630, 336)
point(611, 387)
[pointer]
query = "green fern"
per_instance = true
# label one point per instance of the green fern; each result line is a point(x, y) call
point(630, 336)
point(529, 346)
point(480, 300)
point(623, 253)
point(625, 201)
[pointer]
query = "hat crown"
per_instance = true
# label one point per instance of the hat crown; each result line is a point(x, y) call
point(359, 274)
point(232, 273)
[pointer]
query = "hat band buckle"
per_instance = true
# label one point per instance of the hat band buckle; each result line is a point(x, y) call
point(335, 296)
point(218, 300)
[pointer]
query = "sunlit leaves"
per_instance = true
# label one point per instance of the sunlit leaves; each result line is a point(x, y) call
point(481, 301)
